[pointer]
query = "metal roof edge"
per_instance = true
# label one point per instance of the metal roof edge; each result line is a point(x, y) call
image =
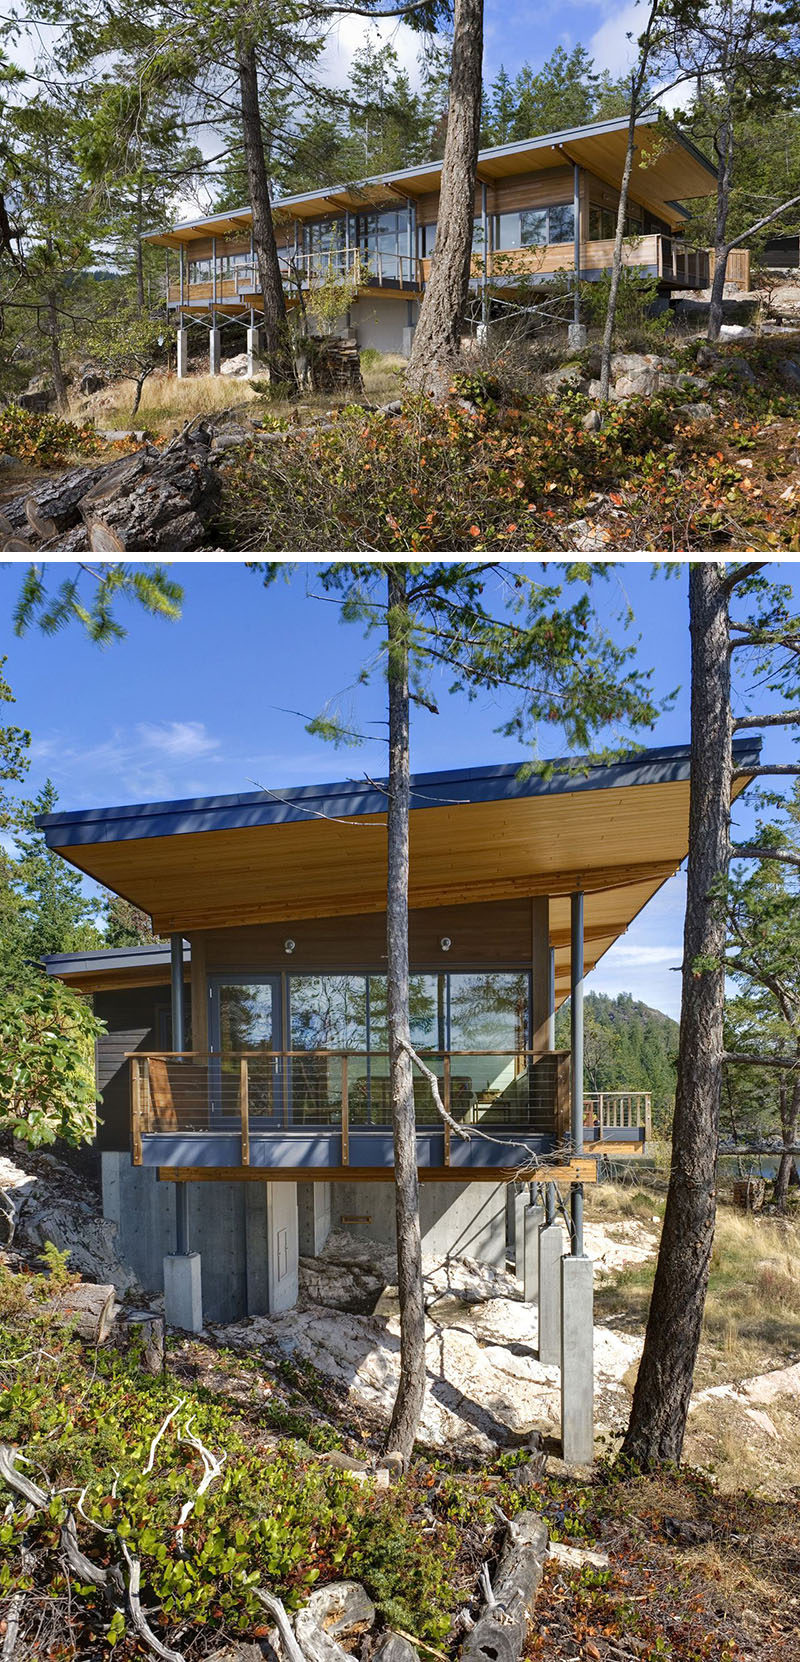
point(516, 147)
point(118, 957)
point(453, 787)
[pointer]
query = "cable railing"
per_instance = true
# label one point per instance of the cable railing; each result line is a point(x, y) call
point(280, 1092)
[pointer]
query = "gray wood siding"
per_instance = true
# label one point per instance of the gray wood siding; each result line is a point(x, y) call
point(131, 1018)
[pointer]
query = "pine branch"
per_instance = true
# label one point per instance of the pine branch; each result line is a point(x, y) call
point(774, 768)
point(786, 1064)
point(786, 718)
point(741, 575)
point(751, 851)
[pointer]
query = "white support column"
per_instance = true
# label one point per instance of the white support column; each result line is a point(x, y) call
point(214, 350)
point(551, 1251)
point(183, 1294)
point(254, 346)
point(532, 1220)
point(183, 352)
point(577, 1360)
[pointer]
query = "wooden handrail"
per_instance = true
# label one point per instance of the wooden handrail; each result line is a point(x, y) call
point(267, 1055)
point(136, 1115)
point(244, 1109)
point(345, 1115)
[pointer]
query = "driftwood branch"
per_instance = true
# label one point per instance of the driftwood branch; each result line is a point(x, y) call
point(468, 1132)
point(212, 1469)
point(773, 1153)
point(277, 1611)
point(138, 1617)
point(758, 773)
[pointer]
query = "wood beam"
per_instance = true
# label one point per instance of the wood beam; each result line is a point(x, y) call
point(573, 1171)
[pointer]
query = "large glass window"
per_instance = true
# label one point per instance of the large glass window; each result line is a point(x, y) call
point(246, 1019)
point(324, 241)
point(428, 236)
point(200, 271)
point(536, 227)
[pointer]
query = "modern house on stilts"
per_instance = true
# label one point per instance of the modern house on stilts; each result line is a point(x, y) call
point(244, 1072)
point(545, 211)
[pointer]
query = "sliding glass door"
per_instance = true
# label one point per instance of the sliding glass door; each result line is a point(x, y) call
point(246, 1018)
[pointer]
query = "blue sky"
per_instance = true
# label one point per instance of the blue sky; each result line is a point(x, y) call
point(204, 706)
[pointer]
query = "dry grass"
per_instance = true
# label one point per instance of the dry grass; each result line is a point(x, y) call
point(167, 402)
point(752, 1314)
point(640, 1195)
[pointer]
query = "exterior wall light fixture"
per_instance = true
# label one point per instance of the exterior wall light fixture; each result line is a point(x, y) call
point(445, 943)
point(288, 945)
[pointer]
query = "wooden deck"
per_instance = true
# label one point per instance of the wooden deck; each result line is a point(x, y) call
point(326, 1112)
point(673, 263)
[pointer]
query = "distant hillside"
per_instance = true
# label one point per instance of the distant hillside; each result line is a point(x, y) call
point(627, 1045)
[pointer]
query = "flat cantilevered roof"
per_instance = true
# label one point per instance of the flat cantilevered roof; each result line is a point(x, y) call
point(615, 830)
point(667, 166)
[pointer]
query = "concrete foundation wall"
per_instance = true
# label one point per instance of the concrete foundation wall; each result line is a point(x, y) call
point(245, 1233)
point(380, 322)
point(457, 1219)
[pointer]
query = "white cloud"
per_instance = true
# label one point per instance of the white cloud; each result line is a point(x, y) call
point(178, 740)
point(628, 952)
point(349, 34)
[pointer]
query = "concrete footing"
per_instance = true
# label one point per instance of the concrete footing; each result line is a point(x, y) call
point(254, 349)
point(313, 1217)
point(408, 340)
point(577, 336)
point(182, 339)
point(552, 1244)
point(183, 1292)
point(214, 351)
point(532, 1223)
point(577, 1360)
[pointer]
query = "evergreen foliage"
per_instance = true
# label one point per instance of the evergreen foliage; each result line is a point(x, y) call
point(627, 1046)
point(566, 92)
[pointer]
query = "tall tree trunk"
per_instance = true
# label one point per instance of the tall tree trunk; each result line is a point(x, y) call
point(139, 247)
point(663, 1388)
point(411, 1390)
point(790, 1118)
point(724, 172)
point(437, 338)
point(276, 337)
point(638, 80)
point(616, 260)
point(56, 365)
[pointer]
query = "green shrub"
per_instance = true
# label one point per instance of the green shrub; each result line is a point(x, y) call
point(34, 436)
point(634, 324)
point(47, 1077)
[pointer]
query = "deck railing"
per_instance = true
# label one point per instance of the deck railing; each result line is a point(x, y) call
point(667, 257)
point(280, 1091)
point(618, 1111)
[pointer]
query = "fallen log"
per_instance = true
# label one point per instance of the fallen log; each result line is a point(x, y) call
point(500, 1632)
point(54, 503)
point(89, 1308)
point(162, 502)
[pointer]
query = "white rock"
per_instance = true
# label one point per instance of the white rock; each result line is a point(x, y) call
point(736, 331)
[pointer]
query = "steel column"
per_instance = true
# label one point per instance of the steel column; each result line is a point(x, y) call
point(576, 199)
point(551, 1002)
point(178, 1042)
point(576, 1026)
point(485, 276)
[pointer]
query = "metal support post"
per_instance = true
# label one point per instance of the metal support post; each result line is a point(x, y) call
point(576, 1024)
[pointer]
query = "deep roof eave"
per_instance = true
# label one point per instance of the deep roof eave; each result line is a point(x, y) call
point(453, 787)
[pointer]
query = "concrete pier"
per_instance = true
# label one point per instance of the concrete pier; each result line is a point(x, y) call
point(254, 349)
point(577, 1360)
point(214, 351)
point(313, 1217)
point(182, 339)
point(183, 1294)
point(533, 1222)
point(552, 1246)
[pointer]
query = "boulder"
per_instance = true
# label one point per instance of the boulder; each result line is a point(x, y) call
point(568, 375)
point(392, 1647)
point(235, 366)
point(639, 384)
point(695, 412)
point(632, 363)
point(736, 331)
point(592, 422)
point(789, 372)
